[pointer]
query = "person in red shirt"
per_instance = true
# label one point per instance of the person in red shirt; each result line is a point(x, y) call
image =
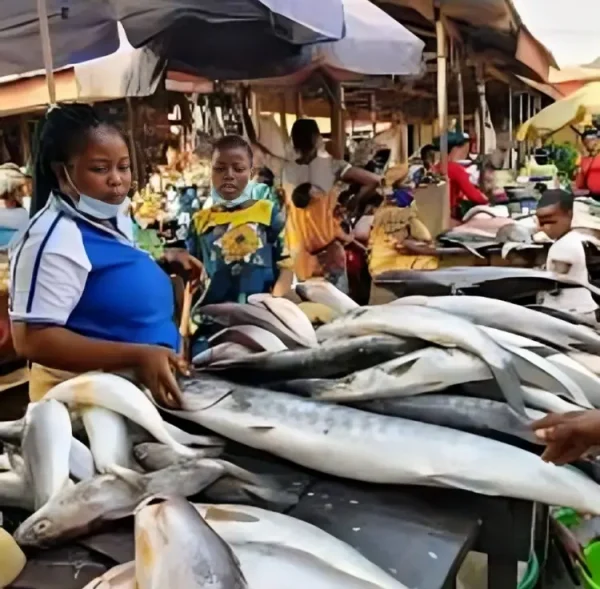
point(588, 176)
point(461, 187)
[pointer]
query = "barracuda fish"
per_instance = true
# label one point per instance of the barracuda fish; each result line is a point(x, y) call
point(231, 314)
point(334, 359)
point(479, 416)
point(167, 529)
point(514, 318)
point(46, 449)
point(117, 394)
point(439, 328)
point(323, 292)
point(109, 438)
point(79, 509)
point(288, 313)
point(243, 524)
point(335, 439)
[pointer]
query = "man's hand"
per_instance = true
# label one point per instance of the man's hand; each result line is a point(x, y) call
point(568, 436)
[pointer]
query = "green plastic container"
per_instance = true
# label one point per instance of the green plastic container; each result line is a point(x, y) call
point(532, 574)
point(592, 559)
point(567, 517)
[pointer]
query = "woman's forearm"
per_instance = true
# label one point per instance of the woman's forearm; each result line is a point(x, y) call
point(59, 348)
point(284, 282)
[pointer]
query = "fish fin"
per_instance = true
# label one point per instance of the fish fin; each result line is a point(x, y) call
point(131, 477)
point(261, 428)
point(228, 515)
point(241, 473)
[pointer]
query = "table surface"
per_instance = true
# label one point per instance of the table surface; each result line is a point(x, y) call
point(418, 535)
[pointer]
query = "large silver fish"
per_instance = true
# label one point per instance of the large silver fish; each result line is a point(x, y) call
point(288, 313)
point(350, 443)
point(479, 416)
point(46, 449)
point(153, 456)
point(323, 292)
point(109, 438)
point(334, 359)
point(244, 524)
point(439, 328)
point(265, 565)
point(117, 394)
point(174, 547)
point(514, 318)
point(16, 490)
point(79, 509)
point(230, 314)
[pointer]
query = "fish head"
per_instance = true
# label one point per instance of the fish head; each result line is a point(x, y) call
point(167, 528)
point(202, 392)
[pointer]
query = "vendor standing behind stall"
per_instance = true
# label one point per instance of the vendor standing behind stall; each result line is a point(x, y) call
point(588, 175)
point(238, 239)
point(462, 190)
point(83, 297)
point(566, 255)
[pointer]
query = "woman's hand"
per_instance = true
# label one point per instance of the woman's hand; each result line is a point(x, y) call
point(189, 262)
point(154, 368)
point(568, 436)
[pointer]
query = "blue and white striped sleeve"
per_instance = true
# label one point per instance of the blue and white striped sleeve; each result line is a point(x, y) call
point(48, 270)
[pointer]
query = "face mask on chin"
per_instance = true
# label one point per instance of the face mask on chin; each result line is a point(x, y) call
point(96, 208)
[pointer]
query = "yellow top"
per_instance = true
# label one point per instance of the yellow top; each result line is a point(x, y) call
point(391, 226)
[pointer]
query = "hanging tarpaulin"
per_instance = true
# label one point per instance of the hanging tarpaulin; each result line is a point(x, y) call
point(211, 36)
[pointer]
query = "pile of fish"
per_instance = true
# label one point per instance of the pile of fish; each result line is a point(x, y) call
point(436, 391)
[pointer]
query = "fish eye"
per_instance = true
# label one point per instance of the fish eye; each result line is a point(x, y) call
point(41, 526)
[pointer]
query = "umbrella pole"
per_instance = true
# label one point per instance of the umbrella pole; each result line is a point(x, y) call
point(47, 49)
point(442, 91)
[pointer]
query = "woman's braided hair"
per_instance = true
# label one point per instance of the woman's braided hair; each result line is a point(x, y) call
point(63, 131)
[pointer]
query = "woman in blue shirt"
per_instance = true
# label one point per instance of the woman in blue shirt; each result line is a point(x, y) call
point(83, 297)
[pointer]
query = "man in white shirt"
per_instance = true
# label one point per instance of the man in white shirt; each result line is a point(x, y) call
point(567, 255)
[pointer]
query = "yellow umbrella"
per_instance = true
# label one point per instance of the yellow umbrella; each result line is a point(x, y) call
point(571, 110)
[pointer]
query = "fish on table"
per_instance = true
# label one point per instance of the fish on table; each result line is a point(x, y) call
point(231, 314)
point(174, 547)
point(245, 524)
point(121, 576)
point(79, 509)
point(46, 448)
point(252, 337)
point(437, 327)
point(514, 318)
point(335, 439)
point(335, 358)
point(321, 291)
point(224, 351)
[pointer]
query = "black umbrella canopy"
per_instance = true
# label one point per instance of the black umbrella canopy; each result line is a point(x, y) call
point(220, 38)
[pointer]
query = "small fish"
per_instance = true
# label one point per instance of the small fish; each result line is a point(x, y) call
point(322, 291)
point(109, 438)
point(231, 314)
point(152, 456)
point(46, 449)
point(225, 351)
point(252, 337)
point(245, 524)
point(78, 510)
point(139, 435)
point(166, 529)
point(289, 314)
point(120, 577)
point(438, 327)
point(334, 359)
point(117, 394)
